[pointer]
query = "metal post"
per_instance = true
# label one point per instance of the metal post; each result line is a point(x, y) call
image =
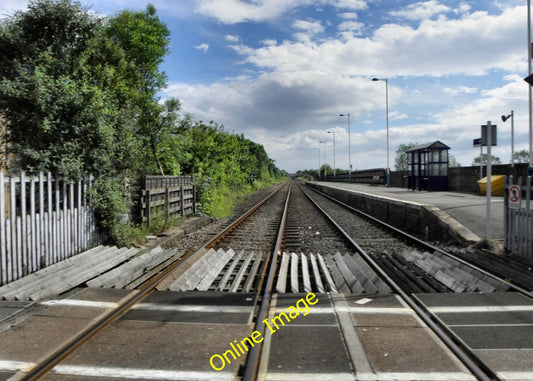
point(334, 165)
point(387, 170)
point(318, 149)
point(489, 185)
point(512, 138)
point(325, 170)
point(529, 73)
point(481, 161)
point(349, 149)
point(387, 111)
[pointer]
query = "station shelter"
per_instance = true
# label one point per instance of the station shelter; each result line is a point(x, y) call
point(428, 167)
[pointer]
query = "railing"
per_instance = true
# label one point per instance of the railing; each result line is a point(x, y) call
point(518, 217)
point(375, 176)
point(172, 195)
point(43, 220)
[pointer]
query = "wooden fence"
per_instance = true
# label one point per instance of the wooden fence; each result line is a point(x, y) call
point(518, 221)
point(43, 220)
point(172, 195)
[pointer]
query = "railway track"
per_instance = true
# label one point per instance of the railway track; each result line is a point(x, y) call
point(288, 243)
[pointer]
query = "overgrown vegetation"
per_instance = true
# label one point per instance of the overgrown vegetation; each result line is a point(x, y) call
point(79, 95)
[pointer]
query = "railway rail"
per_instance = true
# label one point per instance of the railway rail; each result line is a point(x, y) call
point(301, 242)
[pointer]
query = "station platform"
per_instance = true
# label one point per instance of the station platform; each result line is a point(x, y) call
point(467, 212)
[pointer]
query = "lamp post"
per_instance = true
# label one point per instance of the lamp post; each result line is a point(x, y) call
point(349, 150)
point(318, 149)
point(504, 118)
point(387, 115)
point(529, 58)
point(334, 173)
point(325, 169)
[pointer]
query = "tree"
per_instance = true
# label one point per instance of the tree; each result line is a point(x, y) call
point(79, 96)
point(400, 161)
point(521, 156)
point(452, 161)
point(44, 90)
point(145, 40)
point(483, 160)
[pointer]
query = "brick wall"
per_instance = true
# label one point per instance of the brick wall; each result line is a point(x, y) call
point(464, 179)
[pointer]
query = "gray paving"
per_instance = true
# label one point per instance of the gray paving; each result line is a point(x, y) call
point(355, 337)
point(467, 209)
point(498, 327)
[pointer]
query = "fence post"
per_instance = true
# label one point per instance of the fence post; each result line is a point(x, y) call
point(194, 200)
point(167, 201)
point(529, 219)
point(182, 198)
point(13, 227)
point(3, 251)
point(507, 182)
point(148, 206)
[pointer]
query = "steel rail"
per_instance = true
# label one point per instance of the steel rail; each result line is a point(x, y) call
point(253, 358)
point(478, 368)
point(426, 245)
point(50, 361)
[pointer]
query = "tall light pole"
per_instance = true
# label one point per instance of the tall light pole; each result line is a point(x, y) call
point(334, 173)
point(349, 150)
point(504, 118)
point(529, 57)
point(387, 115)
point(318, 149)
point(325, 174)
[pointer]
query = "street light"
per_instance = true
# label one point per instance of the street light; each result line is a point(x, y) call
point(529, 80)
point(325, 168)
point(334, 173)
point(349, 150)
point(318, 149)
point(387, 114)
point(504, 118)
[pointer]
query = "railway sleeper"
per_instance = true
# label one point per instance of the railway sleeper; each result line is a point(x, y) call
point(397, 274)
point(414, 274)
point(444, 268)
point(434, 285)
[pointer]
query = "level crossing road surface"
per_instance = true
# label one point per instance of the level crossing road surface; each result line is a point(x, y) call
point(470, 210)
point(173, 336)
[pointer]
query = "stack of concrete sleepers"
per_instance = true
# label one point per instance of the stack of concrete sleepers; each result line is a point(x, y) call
point(67, 274)
point(126, 273)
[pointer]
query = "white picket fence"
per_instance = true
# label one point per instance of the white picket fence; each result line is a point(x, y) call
point(43, 220)
point(518, 219)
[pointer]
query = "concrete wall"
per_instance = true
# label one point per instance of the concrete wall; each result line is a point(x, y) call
point(418, 220)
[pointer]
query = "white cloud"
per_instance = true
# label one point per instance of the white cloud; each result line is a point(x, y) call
point(463, 8)
point(351, 4)
point(203, 47)
point(232, 38)
point(459, 90)
point(351, 26)
point(473, 45)
point(421, 10)
point(236, 11)
point(309, 28)
point(349, 15)
point(269, 42)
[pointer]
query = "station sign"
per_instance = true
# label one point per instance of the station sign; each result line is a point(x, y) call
point(515, 197)
point(484, 135)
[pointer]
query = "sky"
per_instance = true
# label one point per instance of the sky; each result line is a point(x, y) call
point(282, 71)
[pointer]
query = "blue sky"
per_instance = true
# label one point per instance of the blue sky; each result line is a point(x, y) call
point(281, 72)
